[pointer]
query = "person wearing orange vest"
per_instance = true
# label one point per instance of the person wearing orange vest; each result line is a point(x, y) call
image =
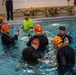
point(7, 40)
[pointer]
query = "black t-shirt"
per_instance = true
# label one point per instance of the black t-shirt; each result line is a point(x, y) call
point(68, 53)
point(30, 55)
point(43, 42)
point(65, 54)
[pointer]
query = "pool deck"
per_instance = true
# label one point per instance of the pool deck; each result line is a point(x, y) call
point(19, 20)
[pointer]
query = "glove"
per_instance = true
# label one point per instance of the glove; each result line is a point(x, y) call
point(47, 61)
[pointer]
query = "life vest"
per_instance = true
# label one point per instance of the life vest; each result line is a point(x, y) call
point(68, 36)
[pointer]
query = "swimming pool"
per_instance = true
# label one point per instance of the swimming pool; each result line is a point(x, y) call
point(9, 61)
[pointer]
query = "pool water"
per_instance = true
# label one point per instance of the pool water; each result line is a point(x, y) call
point(10, 61)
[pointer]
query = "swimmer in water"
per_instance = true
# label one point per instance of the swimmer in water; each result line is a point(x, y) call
point(27, 23)
point(39, 34)
point(7, 40)
point(65, 57)
point(66, 38)
point(31, 56)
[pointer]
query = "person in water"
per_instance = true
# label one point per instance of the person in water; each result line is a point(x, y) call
point(27, 23)
point(67, 39)
point(7, 40)
point(39, 34)
point(65, 56)
point(31, 56)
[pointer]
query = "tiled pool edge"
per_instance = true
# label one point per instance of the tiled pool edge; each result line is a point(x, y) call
point(41, 19)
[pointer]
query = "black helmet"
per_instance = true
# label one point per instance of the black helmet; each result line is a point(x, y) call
point(26, 14)
point(62, 28)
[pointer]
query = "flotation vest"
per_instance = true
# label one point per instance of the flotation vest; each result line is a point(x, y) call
point(68, 36)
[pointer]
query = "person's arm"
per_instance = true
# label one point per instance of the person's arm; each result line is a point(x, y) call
point(43, 61)
point(23, 24)
point(31, 25)
point(20, 28)
point(31, 29)
point(3, 2)
point(29, 41)
point(40, 60)
point(66, 42)
point(11, 39)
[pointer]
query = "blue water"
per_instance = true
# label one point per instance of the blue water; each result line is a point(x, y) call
point(10, 61)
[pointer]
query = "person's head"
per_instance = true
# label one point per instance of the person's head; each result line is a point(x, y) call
point(35, 43)
point(38, 29)
point(5, 28)
point(26, 16)
point(62, 30)
point(1, 19)
point(56, 41)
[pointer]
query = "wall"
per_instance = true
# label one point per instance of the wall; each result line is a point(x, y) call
point(40, 3)
point(2, 8)
point(35, 3)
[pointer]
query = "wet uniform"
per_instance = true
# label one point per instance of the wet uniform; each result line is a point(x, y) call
point(30, 55)
point(8, 41)
point(66, 59)
point(43, 42)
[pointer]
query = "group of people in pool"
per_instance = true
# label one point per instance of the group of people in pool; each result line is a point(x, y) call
point(37, 44)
